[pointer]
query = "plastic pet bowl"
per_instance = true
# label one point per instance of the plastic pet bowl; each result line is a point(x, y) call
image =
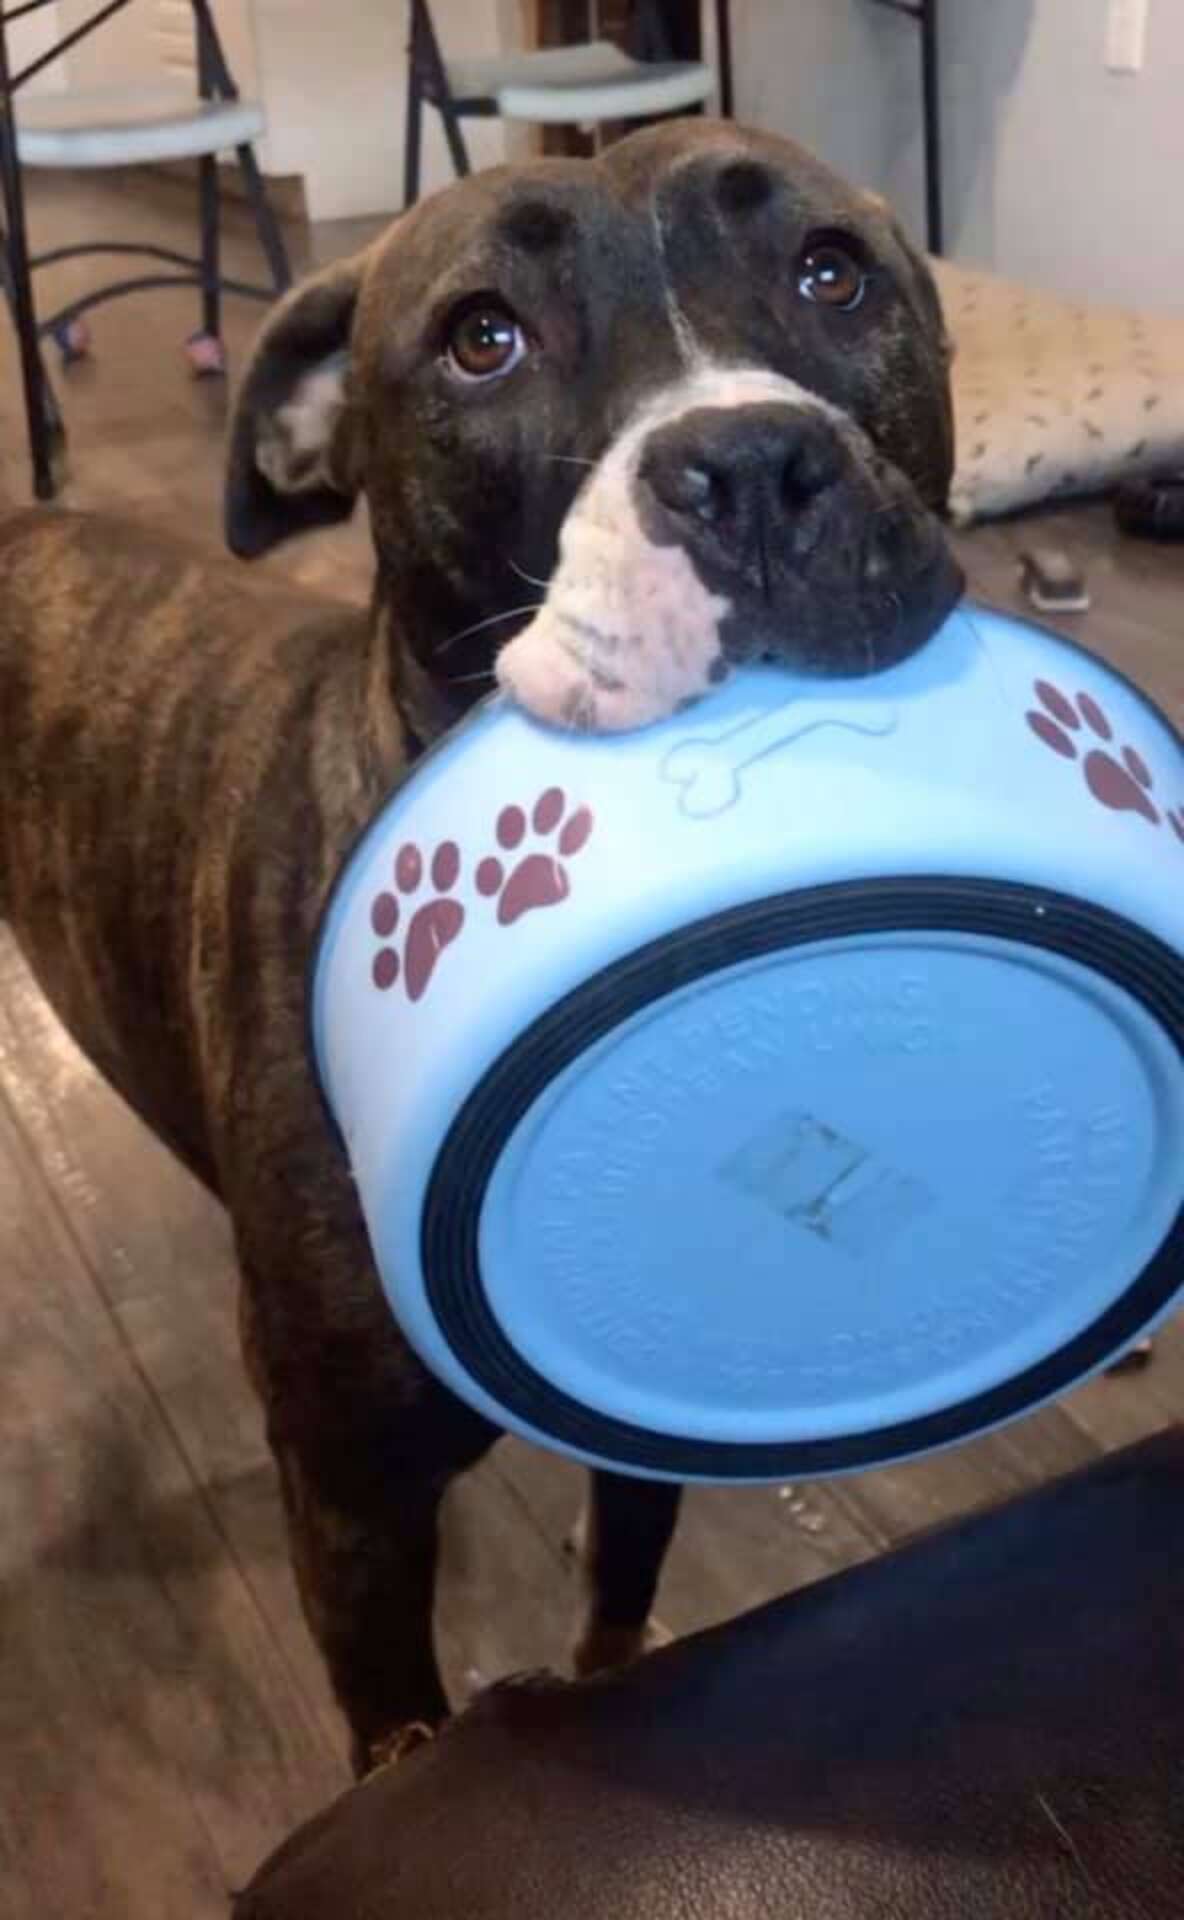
point(788, 1088)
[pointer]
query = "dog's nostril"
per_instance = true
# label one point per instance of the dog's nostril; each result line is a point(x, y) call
point(723, 474)
point(688, 486)
point(702, 491)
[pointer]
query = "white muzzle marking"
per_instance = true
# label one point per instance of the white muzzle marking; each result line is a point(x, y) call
point(628, 633)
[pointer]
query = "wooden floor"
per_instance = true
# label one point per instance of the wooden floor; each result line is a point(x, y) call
point(163, 1720)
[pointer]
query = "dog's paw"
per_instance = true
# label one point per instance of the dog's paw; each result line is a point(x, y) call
point(1134, 1360)
point(605, 1649)
point(368, 1756)
point(577, 1542)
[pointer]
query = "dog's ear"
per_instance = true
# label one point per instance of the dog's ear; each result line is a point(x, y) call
point(292, 463)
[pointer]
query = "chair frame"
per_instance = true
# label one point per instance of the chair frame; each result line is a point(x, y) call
point(18, 263)
point(427, 82)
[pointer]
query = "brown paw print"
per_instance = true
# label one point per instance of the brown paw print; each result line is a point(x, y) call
point(434, 923)
point(537, 878)
point(1119, 779)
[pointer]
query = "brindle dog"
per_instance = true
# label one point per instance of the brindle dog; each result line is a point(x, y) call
point(700, 386)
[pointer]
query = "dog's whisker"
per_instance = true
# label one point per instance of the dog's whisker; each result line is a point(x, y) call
point(570, 460)
point(531, 579)
point(469, 679)
point(491, 620)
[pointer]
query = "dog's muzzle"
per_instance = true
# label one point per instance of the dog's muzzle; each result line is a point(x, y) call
point(738, 517)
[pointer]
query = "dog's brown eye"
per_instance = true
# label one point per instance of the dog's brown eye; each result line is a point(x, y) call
point(831, 275)
point(484, 342)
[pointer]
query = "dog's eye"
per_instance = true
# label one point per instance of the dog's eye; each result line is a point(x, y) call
point(832, 274)
point(484, 342)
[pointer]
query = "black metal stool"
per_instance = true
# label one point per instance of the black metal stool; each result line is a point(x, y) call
point(216, 118)
point(559, 86)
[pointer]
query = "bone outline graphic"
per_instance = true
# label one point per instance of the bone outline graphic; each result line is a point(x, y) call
point(709, 769)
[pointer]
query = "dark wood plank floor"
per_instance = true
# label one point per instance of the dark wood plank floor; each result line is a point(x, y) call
point(163, 1719)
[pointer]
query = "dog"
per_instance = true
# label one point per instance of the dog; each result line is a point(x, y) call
point(620, 424)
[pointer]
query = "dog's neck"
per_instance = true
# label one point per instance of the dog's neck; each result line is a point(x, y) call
point(422, 704)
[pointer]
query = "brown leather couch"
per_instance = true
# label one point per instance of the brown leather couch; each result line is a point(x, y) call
point(986, 1725)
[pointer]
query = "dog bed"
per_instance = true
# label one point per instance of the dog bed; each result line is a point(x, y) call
point(1055, 398)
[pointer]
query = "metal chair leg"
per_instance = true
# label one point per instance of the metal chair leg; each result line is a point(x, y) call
point(41, 415)
point(723, 36)
point(49, 403)
point(266, 225)
point(931, 98)
point(457, 145)
point(209, 61)
point(217, 81)
point(433, 81)
point(413, 131)
point(211, 246)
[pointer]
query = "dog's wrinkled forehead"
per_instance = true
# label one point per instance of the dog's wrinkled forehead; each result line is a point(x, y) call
point(680, 241)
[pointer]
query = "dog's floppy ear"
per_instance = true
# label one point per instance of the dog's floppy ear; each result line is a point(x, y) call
point(292, 463)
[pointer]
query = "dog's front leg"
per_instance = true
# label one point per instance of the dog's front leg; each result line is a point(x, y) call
point(366, 1443)
point(366, 1572)
point(621, 1540)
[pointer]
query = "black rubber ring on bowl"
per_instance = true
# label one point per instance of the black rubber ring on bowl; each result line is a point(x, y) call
point(1097, 939)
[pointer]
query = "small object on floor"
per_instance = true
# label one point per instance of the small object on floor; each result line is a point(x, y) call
point(1052, 582)
point(206, 355)
point(1152, 508)
point(72, 339)
point(1134, 1360)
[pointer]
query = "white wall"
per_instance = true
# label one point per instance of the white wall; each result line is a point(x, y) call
point(28, 39)
point(153, 39)
point(1056, 171)
point(1087, 166)
point(833, 74)
point(333, 76)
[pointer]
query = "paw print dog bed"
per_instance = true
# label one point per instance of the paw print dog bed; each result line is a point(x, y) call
point(1055, 398)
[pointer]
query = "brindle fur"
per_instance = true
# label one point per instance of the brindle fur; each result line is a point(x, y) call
point(184, 757)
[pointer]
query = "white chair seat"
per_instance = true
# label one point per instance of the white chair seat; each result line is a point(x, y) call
point(572, 85)
point(128, 126)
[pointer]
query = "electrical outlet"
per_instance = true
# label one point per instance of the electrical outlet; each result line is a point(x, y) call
point(1126, 35)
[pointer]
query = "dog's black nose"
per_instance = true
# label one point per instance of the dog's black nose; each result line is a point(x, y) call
point(721, 474)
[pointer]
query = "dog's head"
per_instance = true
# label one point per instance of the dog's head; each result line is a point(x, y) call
point(621, 423)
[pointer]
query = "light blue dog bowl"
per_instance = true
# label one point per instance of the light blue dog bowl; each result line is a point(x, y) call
point(788, 1088)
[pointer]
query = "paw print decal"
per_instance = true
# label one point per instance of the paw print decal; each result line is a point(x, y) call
point(537, 878)
point(1117, 775)
point(420, 915)
point(434, 923)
